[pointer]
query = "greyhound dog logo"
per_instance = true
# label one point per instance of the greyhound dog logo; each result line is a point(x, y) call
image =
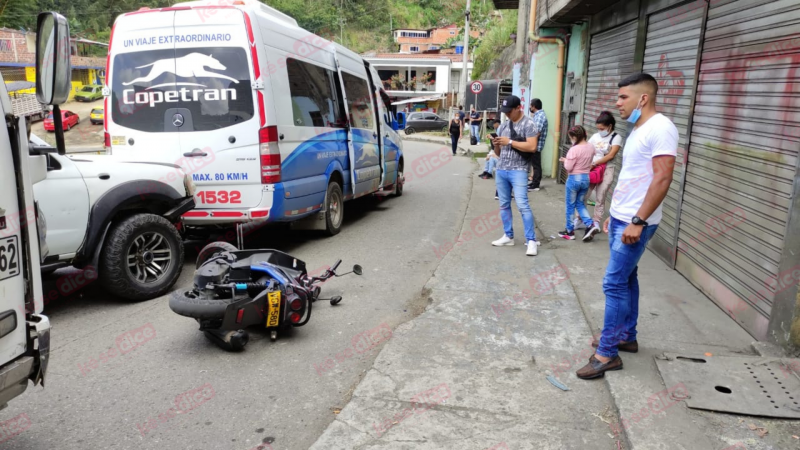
point(191, 65)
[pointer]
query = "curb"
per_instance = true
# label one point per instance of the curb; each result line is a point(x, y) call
point(465, 150)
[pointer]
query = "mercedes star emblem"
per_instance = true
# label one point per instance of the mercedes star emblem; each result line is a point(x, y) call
point(177, 120)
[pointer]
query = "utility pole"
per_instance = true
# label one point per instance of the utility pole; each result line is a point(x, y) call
point(462, 90)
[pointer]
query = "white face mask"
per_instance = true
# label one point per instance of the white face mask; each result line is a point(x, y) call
point(604, 133)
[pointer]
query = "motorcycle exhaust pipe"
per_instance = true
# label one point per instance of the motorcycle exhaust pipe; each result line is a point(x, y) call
point(232, 341)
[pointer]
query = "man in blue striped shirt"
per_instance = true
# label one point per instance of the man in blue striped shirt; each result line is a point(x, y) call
point(540, 122)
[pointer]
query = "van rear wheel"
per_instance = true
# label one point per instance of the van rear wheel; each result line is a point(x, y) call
point(334, 209)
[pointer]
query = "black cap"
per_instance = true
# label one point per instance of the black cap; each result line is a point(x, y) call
point(509, 104)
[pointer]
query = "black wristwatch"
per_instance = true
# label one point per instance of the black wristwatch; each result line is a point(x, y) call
point(638, 221)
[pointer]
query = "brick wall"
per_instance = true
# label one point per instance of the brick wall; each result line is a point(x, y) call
point(24, 43)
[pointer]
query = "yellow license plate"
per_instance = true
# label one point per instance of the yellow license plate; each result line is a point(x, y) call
point(118, 140)
point(274, 311)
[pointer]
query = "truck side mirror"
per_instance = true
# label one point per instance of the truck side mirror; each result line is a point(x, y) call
point(53, 69)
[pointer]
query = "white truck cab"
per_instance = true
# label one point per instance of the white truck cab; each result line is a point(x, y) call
point(24, 331)
point(283, 124)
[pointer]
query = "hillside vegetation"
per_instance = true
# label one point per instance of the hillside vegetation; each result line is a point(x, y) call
point(361, 25)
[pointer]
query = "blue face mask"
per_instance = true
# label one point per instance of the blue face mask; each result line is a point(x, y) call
point(636, 114)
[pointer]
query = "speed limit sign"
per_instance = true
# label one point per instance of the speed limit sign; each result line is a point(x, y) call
point(476, 87)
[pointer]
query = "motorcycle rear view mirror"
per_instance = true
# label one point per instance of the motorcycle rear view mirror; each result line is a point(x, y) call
point(53, 68)
point(356, 270)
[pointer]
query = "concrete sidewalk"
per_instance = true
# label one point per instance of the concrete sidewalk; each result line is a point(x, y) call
point(470, 371)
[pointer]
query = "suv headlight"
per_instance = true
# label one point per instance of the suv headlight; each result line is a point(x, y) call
point(188, 184)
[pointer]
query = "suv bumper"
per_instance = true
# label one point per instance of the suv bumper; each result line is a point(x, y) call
point(32, 366)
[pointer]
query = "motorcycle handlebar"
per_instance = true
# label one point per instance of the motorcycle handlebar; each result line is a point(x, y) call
point(333, 269)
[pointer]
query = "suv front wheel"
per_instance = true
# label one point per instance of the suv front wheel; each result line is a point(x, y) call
point(142, 257)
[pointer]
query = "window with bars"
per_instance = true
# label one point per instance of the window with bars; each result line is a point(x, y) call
point(6, 45)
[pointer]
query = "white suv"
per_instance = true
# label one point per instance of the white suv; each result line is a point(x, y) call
point(120, 218)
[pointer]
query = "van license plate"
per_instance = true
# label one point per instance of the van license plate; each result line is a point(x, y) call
point(274, 311)
point(9, 257)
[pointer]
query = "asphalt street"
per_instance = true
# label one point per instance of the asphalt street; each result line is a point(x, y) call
point(102, 392)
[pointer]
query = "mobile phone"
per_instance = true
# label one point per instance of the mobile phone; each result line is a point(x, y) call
point(493, 135)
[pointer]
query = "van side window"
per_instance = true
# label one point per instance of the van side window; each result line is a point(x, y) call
point(314, 103)
point(386, 105)
point(360, 102)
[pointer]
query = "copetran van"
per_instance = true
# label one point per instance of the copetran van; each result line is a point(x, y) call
point(274, 123)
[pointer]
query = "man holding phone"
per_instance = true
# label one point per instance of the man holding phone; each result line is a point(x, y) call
point(517, 139)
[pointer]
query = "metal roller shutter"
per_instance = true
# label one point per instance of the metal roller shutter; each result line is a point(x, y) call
point(743, 158)
point(670, 55)
point(610, 60)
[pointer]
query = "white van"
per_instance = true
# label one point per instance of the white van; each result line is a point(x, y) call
point(273, 122)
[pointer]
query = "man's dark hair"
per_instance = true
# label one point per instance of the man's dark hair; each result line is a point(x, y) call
point(607, 119)
point(460, 107)
point(536, 103)
point(640, 78)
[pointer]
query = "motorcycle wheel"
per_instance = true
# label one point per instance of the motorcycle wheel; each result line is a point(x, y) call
point(211, 249)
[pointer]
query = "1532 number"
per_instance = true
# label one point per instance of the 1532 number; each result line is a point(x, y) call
point(211, 197)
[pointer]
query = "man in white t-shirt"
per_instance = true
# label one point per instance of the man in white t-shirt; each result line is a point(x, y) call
point(647, 164)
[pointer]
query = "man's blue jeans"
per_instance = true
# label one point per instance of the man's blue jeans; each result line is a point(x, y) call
point(576, 189)
point(506, 180)
point(491, 163)
point(475, 130)
point(621, 286)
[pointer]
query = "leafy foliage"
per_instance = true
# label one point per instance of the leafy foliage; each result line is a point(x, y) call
point(362, 25)
point(493, 42)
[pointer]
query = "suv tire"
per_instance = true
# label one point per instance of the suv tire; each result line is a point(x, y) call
point(146, 239)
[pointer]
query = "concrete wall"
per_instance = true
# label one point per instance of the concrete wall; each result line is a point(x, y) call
point(576, 58)
point(545, 80)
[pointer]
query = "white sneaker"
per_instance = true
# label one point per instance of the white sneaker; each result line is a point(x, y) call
point(505, 240)
point(533, 248)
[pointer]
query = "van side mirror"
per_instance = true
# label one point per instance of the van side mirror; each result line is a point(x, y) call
point(53, 69)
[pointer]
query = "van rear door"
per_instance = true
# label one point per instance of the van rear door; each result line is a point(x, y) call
point(217, 102)
point(142, 76)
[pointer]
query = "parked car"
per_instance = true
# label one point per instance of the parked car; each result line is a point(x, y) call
point(118, 218)
point(96, 117)
point(68, 120)
point(425, 121)
point(89, 93)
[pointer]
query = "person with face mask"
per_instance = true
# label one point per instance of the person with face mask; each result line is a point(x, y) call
point(647, 165)
point(607, 143)
point(577, 163)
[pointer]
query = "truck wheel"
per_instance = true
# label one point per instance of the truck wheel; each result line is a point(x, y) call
point(142, 257)
point(334, 209)
point(209, 250)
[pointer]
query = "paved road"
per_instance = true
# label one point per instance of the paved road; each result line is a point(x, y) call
point(271, 392)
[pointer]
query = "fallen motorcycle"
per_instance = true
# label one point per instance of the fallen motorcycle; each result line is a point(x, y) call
point(235, 289)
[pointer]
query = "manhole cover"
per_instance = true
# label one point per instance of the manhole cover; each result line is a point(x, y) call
point(744, 385)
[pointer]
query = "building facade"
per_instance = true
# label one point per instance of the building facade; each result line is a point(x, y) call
point(418, 41)
point(18, 59)
point(432, 78)
point(727, 72)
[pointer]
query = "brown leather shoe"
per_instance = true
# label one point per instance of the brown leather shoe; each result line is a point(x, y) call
point(596, 369)
point(630, 347)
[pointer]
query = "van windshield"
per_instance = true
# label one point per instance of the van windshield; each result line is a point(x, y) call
point(210, 87)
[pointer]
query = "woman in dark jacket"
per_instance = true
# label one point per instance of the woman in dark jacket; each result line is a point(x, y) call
point(456, 126)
